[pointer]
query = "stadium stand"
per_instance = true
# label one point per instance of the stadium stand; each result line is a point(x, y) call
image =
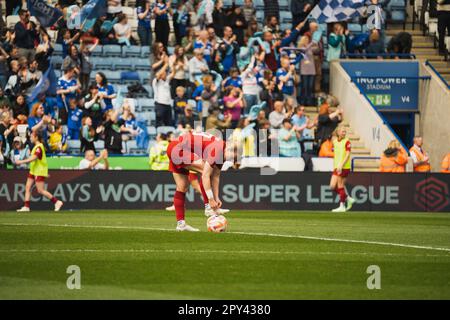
point(124, 66)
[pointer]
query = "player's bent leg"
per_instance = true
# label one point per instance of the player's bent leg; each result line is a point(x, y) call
point(334, 185)
point(197, 166)
point(349, 201)
point(182, 183)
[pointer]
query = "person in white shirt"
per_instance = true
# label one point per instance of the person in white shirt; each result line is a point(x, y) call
point(90, 162)
point(163, 98)
point(197, 66)
point(250, 86)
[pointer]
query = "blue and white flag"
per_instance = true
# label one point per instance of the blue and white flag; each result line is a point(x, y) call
point(93, 9)
point(45, 14)
point(46, 85)
point(337, 10)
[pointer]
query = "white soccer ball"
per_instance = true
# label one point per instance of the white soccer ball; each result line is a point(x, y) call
point(217, 224)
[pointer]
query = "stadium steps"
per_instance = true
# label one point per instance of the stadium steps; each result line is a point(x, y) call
point(358, 146)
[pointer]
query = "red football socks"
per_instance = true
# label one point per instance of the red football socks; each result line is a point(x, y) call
point(342, 194)
point(178, 202)
point(54, 200)
point(27, 204)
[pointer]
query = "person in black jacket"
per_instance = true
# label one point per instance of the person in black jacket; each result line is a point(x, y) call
point(219, 18)
point(300, 10)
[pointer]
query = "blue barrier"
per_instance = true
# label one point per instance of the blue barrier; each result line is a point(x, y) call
point(427, 63)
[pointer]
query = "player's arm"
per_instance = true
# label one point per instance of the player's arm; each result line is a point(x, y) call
point(215, 181)
point(347, 156)
point(207, 174)
point(28, 160)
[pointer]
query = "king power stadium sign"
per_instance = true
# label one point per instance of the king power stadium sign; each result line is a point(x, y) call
point(239, 190)
point(389, 85)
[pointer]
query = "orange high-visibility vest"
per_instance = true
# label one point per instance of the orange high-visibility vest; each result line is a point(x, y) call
point(395, 164)
point(326, 149)
point(424, 167)
point(445, 166)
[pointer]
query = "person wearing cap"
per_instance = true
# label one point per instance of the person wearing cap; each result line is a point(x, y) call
point(19, 151)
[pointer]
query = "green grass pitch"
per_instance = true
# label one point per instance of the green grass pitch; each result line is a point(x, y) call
point(264, 255)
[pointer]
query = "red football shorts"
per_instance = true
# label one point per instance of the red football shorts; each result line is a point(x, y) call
point(180, 158)
point(344, 173)
point(36, 178)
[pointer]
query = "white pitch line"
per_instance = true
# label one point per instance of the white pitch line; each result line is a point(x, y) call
point(392, 244)
point(327, 253)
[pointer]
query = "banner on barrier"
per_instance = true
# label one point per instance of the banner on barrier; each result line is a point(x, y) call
point(389, 85)
point(245, 189)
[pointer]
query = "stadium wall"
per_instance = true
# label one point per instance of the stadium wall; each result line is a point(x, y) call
point(240, 190)
point(358, 112)
point(434, 118)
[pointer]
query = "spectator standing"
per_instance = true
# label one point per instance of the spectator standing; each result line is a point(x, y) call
point(271, 8)
point(421, 160)
point(308, 70)
point(287, 78)
point(105, 90)
point(239, 24)
point(328, 120)
point(20, 106)
point(25, 35)
point(234, 103)
point(178, 62)
point(376, 44)
point(336, 42)
point(249, 11)
point(74, 119)
point(197, 66)
point(88, 135)
point(288, 140)
point(394, 158)
point(163, 99)
point(86, 64)
point(179, 102)
point(162, 28)
point(144, 14)
point(219, 18)
point(443, 15)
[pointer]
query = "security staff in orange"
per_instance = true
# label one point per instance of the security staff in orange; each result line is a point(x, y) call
point(394, 158)
point(421, 160)
point(445, 166)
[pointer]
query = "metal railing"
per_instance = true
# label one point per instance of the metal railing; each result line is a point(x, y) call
point(384, 55)
point(428, 63)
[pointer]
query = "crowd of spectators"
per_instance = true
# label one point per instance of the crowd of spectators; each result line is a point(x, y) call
point(225, 71)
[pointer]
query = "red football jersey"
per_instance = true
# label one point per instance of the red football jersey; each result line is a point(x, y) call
point(206, 146)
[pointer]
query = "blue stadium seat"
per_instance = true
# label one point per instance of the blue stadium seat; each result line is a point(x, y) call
point(151, 131)
point(112, 50)
point(57, 47)
point(129, 76)
point(260, 16)
point(285, 17)
point(227, 3)
point(285, 26)
point(284, 4)
point(104, 63)
point(398, 16)
point(58, 73)
point(112, 76)
point(56, 61)
point(98, 51)
point(144, 76)
point(259, 5)
point(141, 64)
point(165, 129)
point(146, 103)
point(149, 89)
point(170, 50)
point(122, 89)
point(149, 117)
point(132, 51)
point(145, 52)
point(123, 64)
